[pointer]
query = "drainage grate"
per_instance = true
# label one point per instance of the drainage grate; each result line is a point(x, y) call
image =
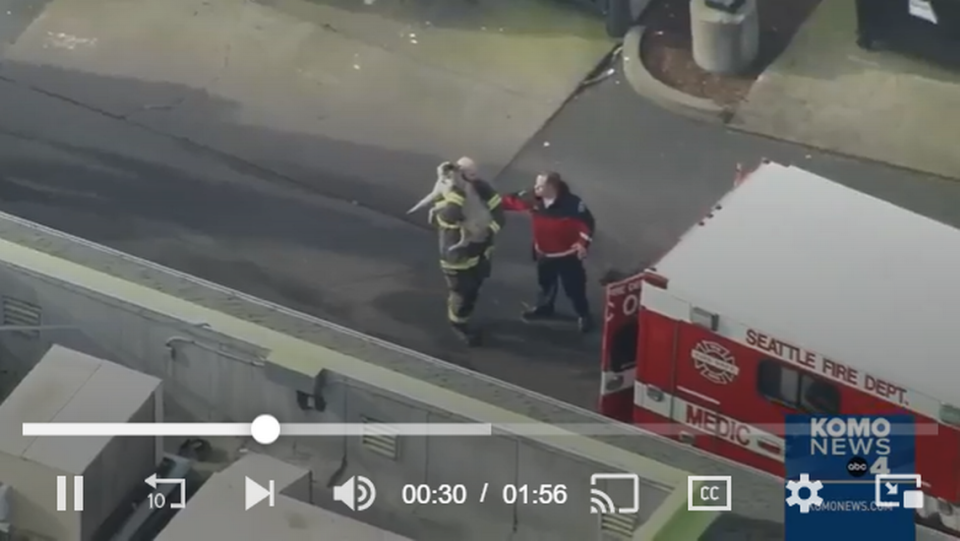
point(18, 313)
point(380, 440)
point(614, 526)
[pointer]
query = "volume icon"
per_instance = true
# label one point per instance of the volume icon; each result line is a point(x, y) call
point(63, 494)
point(357, 493)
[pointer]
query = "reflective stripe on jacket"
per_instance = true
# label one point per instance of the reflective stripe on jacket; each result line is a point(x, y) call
point(559, 229)
point(449, 218)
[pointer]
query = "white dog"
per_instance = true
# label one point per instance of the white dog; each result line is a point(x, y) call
point(477, 218)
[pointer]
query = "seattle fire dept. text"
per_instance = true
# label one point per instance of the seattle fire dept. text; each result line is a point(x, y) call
point(827, 367)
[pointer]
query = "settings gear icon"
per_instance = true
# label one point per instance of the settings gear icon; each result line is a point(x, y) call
point(804, 483)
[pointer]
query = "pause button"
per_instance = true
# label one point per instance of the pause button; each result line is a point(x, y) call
point(63, 494)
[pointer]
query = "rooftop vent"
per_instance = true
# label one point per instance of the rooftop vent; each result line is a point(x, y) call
point(614, 526)
point(380, 440)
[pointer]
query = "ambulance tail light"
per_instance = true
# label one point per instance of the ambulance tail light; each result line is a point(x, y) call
point(705, 319)
point(950, 415)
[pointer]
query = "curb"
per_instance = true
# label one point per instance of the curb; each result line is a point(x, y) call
point(645, 84)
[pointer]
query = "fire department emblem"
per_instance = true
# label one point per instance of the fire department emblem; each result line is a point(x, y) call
point(714, 362)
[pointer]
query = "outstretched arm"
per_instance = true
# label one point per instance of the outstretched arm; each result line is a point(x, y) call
point(518, 202)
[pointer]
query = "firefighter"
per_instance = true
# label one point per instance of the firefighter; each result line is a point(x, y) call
point(562, 231)
point(466, 268)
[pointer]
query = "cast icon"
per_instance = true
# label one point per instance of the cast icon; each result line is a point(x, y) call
point(600, 501)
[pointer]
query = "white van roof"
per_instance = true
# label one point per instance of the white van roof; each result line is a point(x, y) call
point(831, 270)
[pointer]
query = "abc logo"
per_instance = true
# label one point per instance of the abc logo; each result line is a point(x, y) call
point(857, 467)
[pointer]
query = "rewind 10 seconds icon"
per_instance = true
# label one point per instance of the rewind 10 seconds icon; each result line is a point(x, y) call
point(628, 484)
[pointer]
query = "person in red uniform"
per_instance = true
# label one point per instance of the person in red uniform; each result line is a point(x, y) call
point(562, 231)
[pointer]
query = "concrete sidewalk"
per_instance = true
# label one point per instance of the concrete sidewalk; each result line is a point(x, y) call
point(827, 93)
point(437, 79)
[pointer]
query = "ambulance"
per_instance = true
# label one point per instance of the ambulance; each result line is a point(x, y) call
point(794, 294)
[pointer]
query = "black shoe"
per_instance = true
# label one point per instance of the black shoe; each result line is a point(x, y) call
point(537, 314)
point(471, 337)
point(585, 324)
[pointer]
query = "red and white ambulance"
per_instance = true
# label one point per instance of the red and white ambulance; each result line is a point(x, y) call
point(794, 294)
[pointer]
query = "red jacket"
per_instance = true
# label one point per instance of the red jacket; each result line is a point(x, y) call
point(558, 229)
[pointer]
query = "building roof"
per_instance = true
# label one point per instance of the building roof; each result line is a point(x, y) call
point(297, 347)
point(68, 386)
point(832, 270)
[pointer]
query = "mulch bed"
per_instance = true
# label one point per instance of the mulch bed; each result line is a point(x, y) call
point(667, 47)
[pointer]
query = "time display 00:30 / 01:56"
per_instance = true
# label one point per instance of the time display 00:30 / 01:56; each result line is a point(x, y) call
point(509, 494)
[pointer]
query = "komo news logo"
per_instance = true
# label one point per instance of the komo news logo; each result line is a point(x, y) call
point(857, 436)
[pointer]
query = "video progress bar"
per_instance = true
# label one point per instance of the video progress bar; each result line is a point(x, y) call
point(211, 430)
point(266, 429)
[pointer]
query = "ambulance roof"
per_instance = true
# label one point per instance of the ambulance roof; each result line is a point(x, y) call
point(831, 270)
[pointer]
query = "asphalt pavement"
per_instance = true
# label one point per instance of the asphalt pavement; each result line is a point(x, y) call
point(649, 174)
point(646, 173)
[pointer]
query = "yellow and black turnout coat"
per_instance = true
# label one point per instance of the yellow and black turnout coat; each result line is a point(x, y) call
point(449, 217)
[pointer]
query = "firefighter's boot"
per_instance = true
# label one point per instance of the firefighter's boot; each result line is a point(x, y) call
point(537, 313)
point(469, 335)
point(585, 324)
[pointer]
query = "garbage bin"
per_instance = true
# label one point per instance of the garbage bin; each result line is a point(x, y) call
point(618, 15)
point(929, 29)
point(884, 20)
point(725, 35)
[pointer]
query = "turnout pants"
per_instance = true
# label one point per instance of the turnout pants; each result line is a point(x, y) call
point(463, 290)
point(552, 272)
